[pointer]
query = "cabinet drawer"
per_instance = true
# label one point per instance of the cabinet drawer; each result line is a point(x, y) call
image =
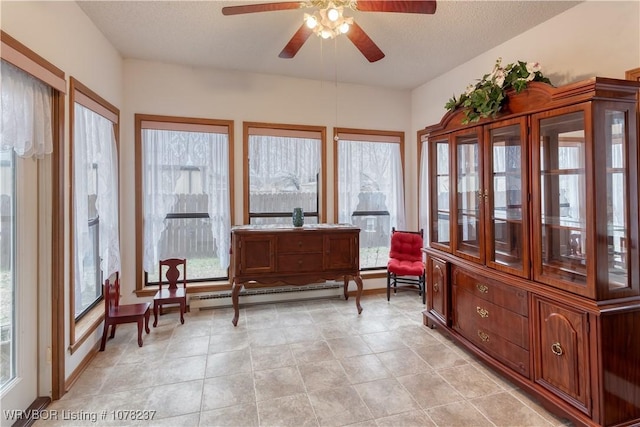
point(507, 352)
point(511, 298)
point(476, 313)
point(299, 263)
point(299, 243)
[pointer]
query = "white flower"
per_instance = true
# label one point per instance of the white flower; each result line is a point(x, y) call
point(470, 89)
point(532, 68)
point(499, 77)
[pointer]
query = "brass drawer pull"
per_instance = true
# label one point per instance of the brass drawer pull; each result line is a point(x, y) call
point(482, 288)
point(482, 312)
point(483, 336)
point(556, 349)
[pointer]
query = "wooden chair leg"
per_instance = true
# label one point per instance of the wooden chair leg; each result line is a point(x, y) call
point(147, 314)
point(105, 331)
point(139, 332)
point(156, 307)
point(113, 331)
point(182, 310)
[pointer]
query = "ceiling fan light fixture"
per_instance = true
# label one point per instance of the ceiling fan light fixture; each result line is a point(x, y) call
point(310, 20)
point(327, 21)
point(333, 14)
point(345, 25)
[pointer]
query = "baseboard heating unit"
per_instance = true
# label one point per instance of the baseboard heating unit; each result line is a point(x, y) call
point(328, 289)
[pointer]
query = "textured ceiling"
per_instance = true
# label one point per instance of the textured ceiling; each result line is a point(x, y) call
point(418, 48)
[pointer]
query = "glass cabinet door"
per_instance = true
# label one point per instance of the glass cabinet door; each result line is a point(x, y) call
point(507, 197)
point(560, 201)
point(439, 204)
point(469, 233)
point(617, 220)
point(619, 258)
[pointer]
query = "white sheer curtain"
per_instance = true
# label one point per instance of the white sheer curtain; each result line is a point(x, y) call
point(370, 166)
point(95, 164)
point(26, 113)
point(166, 154)
point(423, 213)
point(284, 174)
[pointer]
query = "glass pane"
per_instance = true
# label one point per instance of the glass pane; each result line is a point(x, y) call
point(506, 212)
point(190, 238)
point(91, 281)
point(281, 220)
point(88, 286)
point(440, 194)
point(563, 197)
point(7, 275)
point(468, 187)
point(616, 146)
point(283, 174)
point(185, 176)
point(368, 185)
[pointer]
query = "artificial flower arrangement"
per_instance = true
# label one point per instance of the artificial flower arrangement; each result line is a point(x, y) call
point(487, 97)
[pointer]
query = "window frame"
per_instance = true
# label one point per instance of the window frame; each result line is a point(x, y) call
point(285, 128)
point(29, 61)
point(171, 123)
point(82, 327)
point(365, 135)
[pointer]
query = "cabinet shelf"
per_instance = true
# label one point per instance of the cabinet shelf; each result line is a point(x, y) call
point(559, 172)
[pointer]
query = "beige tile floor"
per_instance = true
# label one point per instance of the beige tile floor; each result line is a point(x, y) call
point(307, 363)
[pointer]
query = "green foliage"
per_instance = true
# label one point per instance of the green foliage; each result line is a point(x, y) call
point(487, 97)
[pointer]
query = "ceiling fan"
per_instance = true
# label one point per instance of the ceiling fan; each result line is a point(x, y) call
point(327, 20)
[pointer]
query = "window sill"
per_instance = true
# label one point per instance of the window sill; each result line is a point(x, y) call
point(86, 326)
point(373, 274)
point(192, 288)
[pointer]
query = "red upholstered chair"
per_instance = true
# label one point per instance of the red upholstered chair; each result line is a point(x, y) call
point(116, 313)
point(176, 291)
point(405, 269)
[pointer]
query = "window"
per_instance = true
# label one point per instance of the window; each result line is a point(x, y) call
point(370, 192)
point(183, 198)
point(7, 261)
point(30, 167)
point(285, 164)
point(96, 243)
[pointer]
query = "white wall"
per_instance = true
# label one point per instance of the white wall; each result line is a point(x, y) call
point(594, 38)
point(62, 34)
point(165, 89)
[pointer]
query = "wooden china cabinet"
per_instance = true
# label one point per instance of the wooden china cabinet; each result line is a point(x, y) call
point(533, 254)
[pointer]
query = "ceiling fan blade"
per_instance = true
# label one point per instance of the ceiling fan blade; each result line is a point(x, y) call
point(296, 42)
point(262, 7)
point(416, 6)
point(364, 43)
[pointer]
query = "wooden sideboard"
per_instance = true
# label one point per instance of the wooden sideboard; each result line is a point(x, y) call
point(279, 255)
